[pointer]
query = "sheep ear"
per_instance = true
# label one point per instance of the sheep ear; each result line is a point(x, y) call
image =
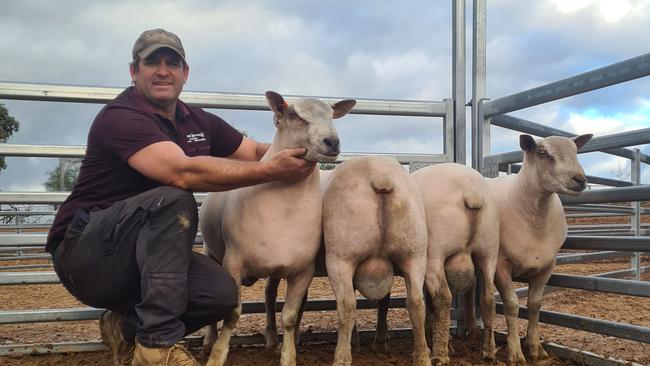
point(582, 140)
point(527, 142)
point(341, 108)
point(277, 103)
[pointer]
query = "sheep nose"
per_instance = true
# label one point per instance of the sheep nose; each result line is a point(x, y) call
point(581, 180)
point(332, 143)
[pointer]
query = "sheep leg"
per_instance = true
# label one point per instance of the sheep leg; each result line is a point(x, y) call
point(503, 281)
point(380, 343)
point(441, 300)
point(296, 338)
point(428, 318)
point(222, 345)
point(487, 308)
point(469, 301)
point(340, 275)
point(414, 271)
point(535, 293)
point(209, 339)
point(296, 291)
point(270, 297)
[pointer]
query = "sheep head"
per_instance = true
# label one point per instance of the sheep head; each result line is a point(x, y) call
point(554, 161)
point(308, 123)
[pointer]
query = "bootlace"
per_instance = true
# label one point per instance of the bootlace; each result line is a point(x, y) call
point(186, 357)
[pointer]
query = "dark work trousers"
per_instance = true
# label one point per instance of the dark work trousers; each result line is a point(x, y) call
point(136, 258)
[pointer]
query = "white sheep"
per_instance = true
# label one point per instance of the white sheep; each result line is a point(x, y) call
point(533, 228)
point(272, 284)
point(462, 223)
point(274, 229)
point(373, 219)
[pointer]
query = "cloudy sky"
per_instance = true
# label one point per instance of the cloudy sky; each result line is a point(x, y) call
point(362, 49)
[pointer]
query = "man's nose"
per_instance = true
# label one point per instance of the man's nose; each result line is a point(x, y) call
point(163, 68)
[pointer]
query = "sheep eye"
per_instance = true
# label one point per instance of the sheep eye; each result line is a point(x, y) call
point(544, 154)
point(293, 115)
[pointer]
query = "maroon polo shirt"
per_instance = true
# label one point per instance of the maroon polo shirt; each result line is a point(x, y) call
point(124, 126)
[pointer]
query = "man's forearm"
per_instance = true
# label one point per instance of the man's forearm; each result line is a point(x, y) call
point(211, 174)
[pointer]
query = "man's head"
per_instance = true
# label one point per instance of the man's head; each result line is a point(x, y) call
point(159, 69)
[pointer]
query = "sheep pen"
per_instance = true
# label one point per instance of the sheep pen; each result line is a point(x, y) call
point(625, 309)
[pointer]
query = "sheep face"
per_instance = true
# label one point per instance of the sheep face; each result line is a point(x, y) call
point(308, 123)
point(555, 162)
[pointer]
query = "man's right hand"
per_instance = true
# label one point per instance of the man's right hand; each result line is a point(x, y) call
point(289, 166)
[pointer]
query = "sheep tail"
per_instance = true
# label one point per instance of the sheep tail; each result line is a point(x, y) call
point(382, 183)
point(474, 202)
point(473, 198)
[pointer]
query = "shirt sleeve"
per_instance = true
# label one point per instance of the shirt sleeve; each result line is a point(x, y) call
point(225, 138)
point(123, 132)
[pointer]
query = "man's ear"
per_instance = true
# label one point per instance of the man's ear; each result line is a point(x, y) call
point(132, 72)
point(343, 107)
point(527, 142)
point(277, 103)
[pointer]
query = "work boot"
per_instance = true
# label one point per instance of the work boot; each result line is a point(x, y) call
point(110, 327)
point(175, 355)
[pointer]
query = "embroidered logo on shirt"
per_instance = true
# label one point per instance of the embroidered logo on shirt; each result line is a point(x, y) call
point(195, 137)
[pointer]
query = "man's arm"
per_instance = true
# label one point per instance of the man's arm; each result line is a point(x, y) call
point(250, 150)
point(166, 163)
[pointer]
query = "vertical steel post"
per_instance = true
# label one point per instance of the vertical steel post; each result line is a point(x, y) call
point(480, 144)
point(458, 95)
point(458, 79)
point(635, 175)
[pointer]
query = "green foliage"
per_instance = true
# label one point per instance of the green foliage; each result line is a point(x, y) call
point(71, 171)
point(8, 125)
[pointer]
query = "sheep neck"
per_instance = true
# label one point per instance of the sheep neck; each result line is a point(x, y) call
point(530, 198)
point(312, 180)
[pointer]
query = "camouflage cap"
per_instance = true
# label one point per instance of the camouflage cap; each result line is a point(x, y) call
point(153, 39)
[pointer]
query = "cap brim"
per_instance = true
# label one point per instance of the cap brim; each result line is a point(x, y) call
point(149, 50)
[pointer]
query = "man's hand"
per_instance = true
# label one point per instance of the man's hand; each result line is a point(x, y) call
point(289, 166)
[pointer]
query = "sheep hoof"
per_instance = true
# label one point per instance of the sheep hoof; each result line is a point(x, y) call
point(422, 360)
point(516, 359)
point(473, 334)
point(438, 360)
point(489, 355)
point(537, 352)
point(380, 346)
point(271, 341)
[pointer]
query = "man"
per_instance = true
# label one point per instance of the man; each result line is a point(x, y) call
point(123, 238)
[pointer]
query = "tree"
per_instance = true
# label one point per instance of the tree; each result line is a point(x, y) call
point(70, 169)
point(8, 125)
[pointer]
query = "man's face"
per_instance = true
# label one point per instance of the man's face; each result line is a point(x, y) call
point(160, 77)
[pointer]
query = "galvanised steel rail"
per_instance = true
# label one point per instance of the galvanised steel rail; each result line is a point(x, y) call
point(619, 243)
point(514, 168)
point(606, 327)
point(629, 138)
point(532, 128)
point(619, 72)
point(45, 151)
point(621, 194)
point(610, 285)
point(93, 94)
point(604, 209)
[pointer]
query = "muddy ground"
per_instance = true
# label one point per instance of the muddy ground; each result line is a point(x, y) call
point(626, 309)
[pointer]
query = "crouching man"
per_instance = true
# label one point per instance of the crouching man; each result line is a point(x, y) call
point(123, 239)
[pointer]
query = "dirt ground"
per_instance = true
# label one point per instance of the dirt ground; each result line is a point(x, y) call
point(626, 309)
